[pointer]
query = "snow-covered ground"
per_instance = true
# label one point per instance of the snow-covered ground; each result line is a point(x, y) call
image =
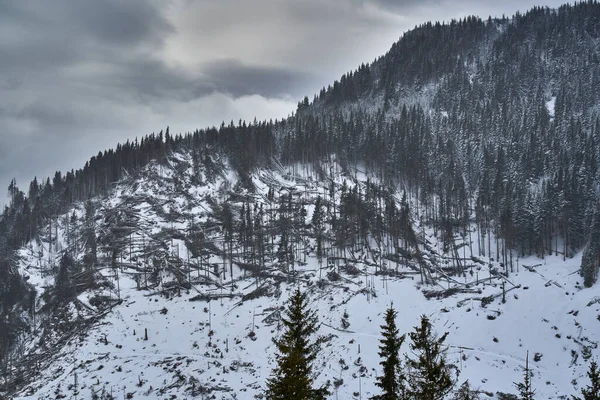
point(550, 106)
point(223, 346)
point(210, 344)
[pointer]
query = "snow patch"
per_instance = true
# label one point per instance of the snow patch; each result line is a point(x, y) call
point(550, 106)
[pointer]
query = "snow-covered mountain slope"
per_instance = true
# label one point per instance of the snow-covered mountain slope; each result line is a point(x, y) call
point(161, 322)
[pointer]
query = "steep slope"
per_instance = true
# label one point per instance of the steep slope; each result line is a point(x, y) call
point(444, 167)
point(209, 327)
point(499, 117)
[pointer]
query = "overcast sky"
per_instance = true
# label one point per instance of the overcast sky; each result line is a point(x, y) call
point(79, 76)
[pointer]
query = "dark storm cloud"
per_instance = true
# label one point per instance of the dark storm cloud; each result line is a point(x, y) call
point(64, 38)
point(49, 115)
point(117, 22)
point(233, 77)
point(112, 22)
point(151, 79)
point(403, 5)
point(58, 63)
point(42, 35)
point(78, 76)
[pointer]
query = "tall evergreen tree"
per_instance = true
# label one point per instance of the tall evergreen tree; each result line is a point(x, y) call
point(293, 377)
point(392, 380)
point(524, 388)
point(592, 392)
point(89, 236)
point(63, 284)
point(429, 375)
point(590, 260)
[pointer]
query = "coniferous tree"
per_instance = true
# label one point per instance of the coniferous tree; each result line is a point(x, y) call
point(465, 392)
point(283, 252)
point(592, 391)
point(63, 284)
point(524, 388)
point(391, 382)
point(89, 236)
point(429, 375)
point(293, 378)
point(590, 259)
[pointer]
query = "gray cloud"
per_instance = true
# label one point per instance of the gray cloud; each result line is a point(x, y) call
point(121, 23)
point(147, 80)
point(76, 77)
point(233, 77)
point(403, 5)
point(49, 115)
point(445, 10)
point(118, 44)
point(111, 22)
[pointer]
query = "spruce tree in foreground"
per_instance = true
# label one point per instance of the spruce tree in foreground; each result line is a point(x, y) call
point(292, 378)
point(429, 376)
point(592, 392)
point(524, 388)
point(392, 380)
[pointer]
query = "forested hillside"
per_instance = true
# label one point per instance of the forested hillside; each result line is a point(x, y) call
point(487, 131)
